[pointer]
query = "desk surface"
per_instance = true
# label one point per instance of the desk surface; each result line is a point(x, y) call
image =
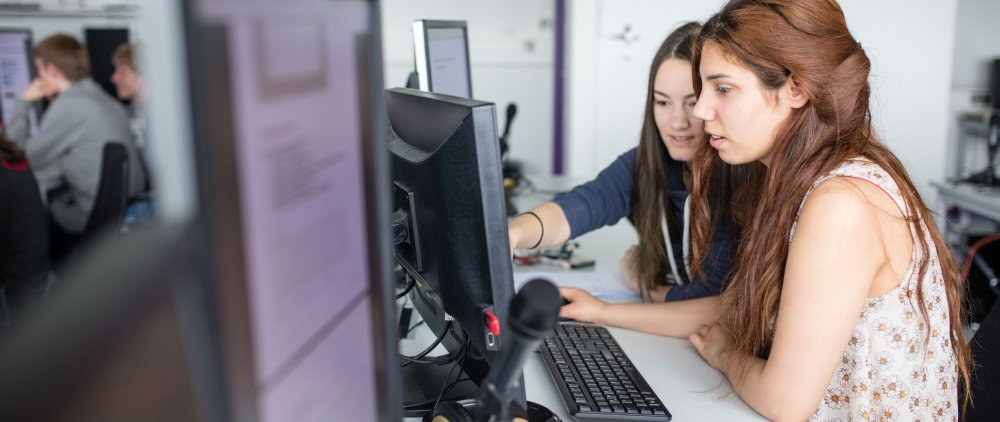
point(691, 390)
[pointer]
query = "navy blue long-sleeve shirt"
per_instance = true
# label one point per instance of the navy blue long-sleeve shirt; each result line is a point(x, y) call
point(608, 198)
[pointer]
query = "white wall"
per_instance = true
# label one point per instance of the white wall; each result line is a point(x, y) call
point(512, 58)
point(64, 16)
point(910, 45)
point(976, 44)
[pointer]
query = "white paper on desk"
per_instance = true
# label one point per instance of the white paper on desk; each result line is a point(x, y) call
point(598, 284)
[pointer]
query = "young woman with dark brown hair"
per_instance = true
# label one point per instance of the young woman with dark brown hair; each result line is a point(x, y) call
point(650, 183)
point(843, 301)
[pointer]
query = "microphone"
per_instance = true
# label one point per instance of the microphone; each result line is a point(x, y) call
point(533, 314)
point(511, 112)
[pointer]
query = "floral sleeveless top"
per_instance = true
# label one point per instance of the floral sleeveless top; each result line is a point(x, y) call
point(887, 372)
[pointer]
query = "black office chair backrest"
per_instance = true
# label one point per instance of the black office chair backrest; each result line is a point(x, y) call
point(985, 383)
point(112, 190)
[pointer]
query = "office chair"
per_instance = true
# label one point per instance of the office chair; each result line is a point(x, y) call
point(112, 190)
point(985, 377)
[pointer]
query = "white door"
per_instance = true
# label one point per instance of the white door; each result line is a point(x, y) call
point(616, 38)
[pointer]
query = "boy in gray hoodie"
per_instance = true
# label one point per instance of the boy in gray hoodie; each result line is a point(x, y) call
point(67, 149)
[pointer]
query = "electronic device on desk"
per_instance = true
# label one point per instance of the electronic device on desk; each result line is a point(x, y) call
point(512, 172)
point(988, 176)
point(122, 337)
point(293, 206)
point(450, 236)
point(441, 53)
point(17, 73)
point(533, 314)
point(596, 380)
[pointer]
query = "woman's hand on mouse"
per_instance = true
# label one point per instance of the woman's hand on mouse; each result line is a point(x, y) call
point(582, 305)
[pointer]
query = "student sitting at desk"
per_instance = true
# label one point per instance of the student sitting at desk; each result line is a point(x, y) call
point(650, 183)
point(843, 303)
point(69, 144)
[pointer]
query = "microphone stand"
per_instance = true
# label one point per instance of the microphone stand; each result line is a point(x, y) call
point(533, 314)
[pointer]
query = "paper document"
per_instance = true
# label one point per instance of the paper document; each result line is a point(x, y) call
point(598, 284)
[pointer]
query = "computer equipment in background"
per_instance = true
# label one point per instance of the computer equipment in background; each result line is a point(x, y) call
point(451, 234)
point(101, 44)
point(126, 336)
point(595, 379)
point(441, 53)
point(293, 190)
point(17, 70)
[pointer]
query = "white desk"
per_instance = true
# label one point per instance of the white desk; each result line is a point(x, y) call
point(687, 385)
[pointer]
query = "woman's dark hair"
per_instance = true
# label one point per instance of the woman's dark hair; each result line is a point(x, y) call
point(650, 200)
point(9, 151)
point(808, 41)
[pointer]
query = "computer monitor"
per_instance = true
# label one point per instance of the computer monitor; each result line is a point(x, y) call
point(451, 225)
point(17, 70)
point(101, 45)
point(293, 178)
point(124, 335)
point(441, 52)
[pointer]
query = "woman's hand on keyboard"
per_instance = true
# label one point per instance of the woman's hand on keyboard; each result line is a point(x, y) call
point(582, 305)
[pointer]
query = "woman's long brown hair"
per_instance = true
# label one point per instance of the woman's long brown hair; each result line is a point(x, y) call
point(810, 41)
point(650, 200)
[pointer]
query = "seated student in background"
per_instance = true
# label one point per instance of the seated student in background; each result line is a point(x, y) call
point(844, 302)
point(651, 184)
point(129, 88)
point(129, 85)
point(69, 143)
point(24, 247)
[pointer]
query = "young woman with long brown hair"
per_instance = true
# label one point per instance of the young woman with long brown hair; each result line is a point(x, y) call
point(650, 183)
point(843, 301)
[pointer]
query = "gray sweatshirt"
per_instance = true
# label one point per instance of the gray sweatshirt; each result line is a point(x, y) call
point(68, 147)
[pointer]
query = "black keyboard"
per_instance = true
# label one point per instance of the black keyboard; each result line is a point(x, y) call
point(596, 380)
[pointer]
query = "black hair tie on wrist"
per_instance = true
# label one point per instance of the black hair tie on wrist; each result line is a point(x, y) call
point(539, 242)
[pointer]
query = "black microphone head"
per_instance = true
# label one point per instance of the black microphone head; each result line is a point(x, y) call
point(535, 308)
point(511, 111)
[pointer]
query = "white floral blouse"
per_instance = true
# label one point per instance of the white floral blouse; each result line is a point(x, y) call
point(887, 372)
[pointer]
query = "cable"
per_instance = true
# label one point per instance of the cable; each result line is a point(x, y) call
point(972, 254)
point(419, 356)
point(458, 364)
point(446, 386)
point(409, 286)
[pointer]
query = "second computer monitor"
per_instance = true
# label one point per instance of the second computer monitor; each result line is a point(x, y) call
point(451, 223)
point(441, 50)
point(17, 70)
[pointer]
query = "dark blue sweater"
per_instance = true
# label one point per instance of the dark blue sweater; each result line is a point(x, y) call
point(608, 198)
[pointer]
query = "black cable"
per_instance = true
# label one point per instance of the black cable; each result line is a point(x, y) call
point(458, 364)
point(409, 286)
point(437, 341)
point(446, 387)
